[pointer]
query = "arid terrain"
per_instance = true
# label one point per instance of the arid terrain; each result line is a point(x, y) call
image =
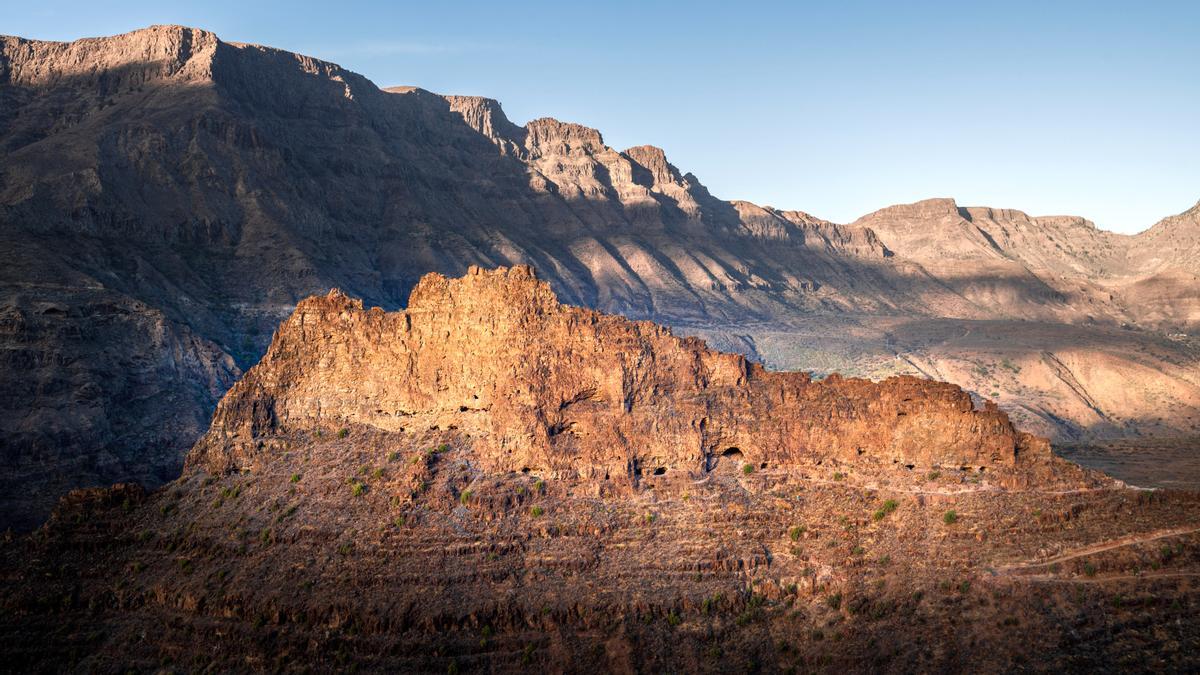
point(166, 198)
point(489, 481)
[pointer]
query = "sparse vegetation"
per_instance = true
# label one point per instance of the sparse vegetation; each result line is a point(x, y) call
point(536, 511)
point(464, 497)
point(357, 488)
point(933, 475)
point(950, 517)
point(295, 478)
point(888, 507)
point(838, 475)
point(796, 532)
point(343, 432)
point(834, 601)
point(1089, 569)
point(748, 468)
point(674, 619)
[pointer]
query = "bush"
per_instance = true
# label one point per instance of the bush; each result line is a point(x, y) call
point(888, 507)
point(536, 511)
point(378, 472)
point(357, 488)
point(748, 468)
point(295, 478)
point(1089, 569)
point(950, 517)
point(796, 532)
point(648, 518)
point(933, 475)
point(442, 448)
point(539, 486)
point(343, 432)
point(674, 619)
point(838, 475)
point(393, 456)
point(465, 497)
point(834, 601)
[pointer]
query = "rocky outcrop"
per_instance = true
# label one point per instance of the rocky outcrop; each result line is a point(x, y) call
point(571, 392)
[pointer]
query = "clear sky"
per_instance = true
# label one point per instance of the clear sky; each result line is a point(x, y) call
point(837, 108)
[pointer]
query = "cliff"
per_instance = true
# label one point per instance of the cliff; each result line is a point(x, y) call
point(568, 392)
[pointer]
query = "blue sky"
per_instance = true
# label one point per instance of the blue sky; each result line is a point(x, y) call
point(839, 108)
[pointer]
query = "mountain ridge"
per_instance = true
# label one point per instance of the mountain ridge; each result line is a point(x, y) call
point(167, 198)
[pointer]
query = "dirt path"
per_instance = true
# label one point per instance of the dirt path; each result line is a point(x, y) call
point(1098, 548)
point(1145, 576)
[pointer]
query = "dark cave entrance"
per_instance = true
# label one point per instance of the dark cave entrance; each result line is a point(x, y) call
point(730, 458)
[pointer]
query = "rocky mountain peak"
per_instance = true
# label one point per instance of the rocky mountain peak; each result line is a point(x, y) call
point(111, 64)
point(654, 160)
point(547, 135)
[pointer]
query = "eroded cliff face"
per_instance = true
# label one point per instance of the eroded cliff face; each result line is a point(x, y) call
point(570, 392)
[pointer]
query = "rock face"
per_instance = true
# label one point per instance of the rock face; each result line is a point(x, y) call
point(572, 393)
point(166, 198)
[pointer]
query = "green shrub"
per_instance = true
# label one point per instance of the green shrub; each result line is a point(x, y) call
point(536, 511)
point(539, 486)
point(399, 521)
point(295, 478)
point(265, 535)
point(950, 517)
point(465, 497)
point(796, 532)
point(378, 472)
point(838, 475)
point(443, 448)
point(748, 468)
point(674, 619)
point(343, 432)
point(393, 456)
point(888, 507)
point(834, 601)
point(357, 488)
point(1089, 569)
point(933, 475)
point(648, 518)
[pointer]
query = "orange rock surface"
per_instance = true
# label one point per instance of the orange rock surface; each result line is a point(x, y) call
point(570, 392)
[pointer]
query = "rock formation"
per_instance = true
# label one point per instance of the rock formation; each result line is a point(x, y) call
point(568, 392)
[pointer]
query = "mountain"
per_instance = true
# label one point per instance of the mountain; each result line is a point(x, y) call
point(491, 481)
point(166, 198)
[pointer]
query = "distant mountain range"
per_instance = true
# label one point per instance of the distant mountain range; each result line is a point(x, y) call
point(166, 198)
